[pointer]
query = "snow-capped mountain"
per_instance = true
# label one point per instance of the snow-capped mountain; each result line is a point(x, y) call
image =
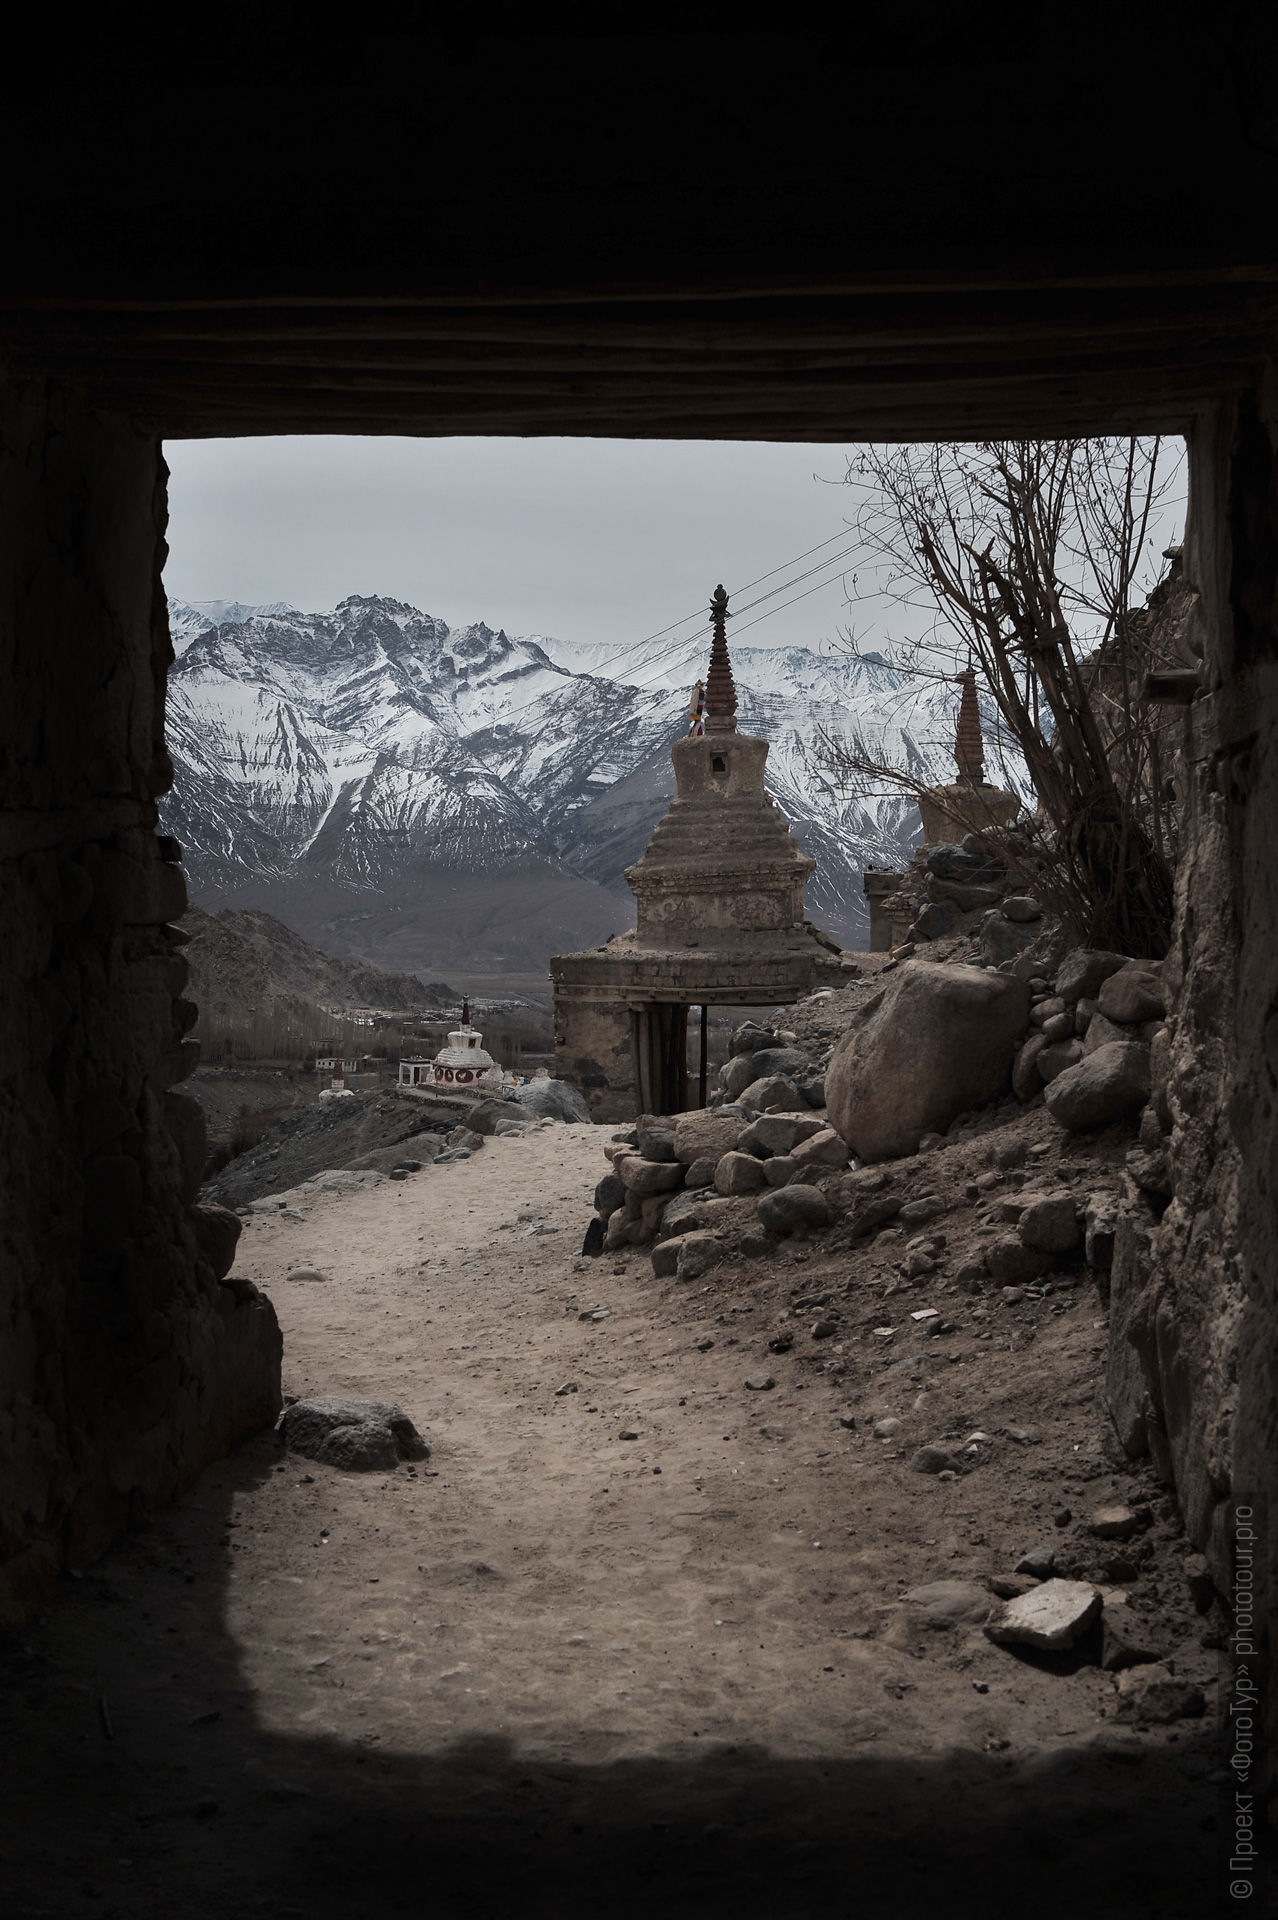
point(427, 796)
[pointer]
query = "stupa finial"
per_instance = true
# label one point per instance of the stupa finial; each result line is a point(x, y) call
point(466, 1012)
point(721, 693)
point(969, 747)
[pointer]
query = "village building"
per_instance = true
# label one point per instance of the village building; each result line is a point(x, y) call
point(720, 922)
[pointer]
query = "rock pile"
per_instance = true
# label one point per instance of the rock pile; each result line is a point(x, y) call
point(679, 1179)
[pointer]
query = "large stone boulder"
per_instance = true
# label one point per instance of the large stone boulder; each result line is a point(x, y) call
point(1132, 995)
point(784, 1060)
point(648, 1177)
point(707, 1135)
point(942, 1040)
point(1084, 971)
point(360, 1436)
point(552, 1100)
point(773, 1094)
point(824, 1149)
point(770, 1133)
point(749, 1037)
point(1109, 1083)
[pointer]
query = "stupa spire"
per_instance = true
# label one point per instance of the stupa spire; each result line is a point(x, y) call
point(721, 693)
point(969, 747)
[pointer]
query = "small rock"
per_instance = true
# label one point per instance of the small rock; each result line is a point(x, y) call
point(700, 1173)
point(1202, 1590)
point(738, 1173)
point(306, 1273)
point(1100, 1224)
point(704, 1344)
point(823, 1149)
point(1083, 972)
point(1062, 1517)
point(781, 1344)
point(1039, 1562)
point(655, 1142)
point(884, 1429)
point(644, 1178)
point(595, 1235)
point(927, 1207)
point(780, 1170)
point(1124, 1642)
point(665, 1259)
point(1009, 1586)
point(609, 1194)
point(950, 1603)
point(931, 1460)
point(793, 1209)
point(848, 1420)
point(359, 1436)
point(1057, 1058)
point(824, 1329)
point(1153, 1697)
point(698, 1252)
point(1010, 1260)
point(1131, 995)
point(1050, 1223)
point(1022, 908)
point(569, 1386)
point(1109, 1083)
point(1025, 1075)
point(760, 1382)
point(773, 1094)
point(1051, 1615)
point(628, 1433)
point(1113, 1523)
point(771, 1133)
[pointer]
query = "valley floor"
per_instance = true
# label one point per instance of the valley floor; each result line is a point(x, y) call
point(554, 1672)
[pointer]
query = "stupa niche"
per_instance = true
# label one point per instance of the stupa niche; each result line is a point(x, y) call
point(720, 920)
point(969, 804)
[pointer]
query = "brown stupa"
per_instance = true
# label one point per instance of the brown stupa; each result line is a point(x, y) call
point(969, 804)
point(720, 919)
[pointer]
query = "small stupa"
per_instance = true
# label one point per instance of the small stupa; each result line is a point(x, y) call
point(969, 804)
point(461, 1063)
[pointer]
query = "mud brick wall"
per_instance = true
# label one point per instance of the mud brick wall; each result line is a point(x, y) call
point(1193, 1372)
point(125, 1363)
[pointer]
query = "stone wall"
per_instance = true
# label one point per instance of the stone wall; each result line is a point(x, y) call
point(1194, 1324)
point(124, 1365)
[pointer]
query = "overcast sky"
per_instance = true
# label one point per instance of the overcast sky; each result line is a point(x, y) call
point(588, 540)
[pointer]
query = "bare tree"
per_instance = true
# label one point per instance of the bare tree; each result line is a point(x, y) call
point(1023, 558)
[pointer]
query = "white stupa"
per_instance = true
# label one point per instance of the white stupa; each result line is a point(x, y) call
point(463, 1063)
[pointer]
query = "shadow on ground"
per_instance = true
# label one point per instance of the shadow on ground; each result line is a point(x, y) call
point(141, 1783)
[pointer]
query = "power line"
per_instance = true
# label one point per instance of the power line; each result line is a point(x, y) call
point(634, 645)
point(835, 560)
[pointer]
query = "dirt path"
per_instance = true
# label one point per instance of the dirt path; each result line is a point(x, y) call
point(676, 1662)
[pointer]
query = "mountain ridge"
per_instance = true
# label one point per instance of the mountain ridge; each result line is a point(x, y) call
point(447, 794)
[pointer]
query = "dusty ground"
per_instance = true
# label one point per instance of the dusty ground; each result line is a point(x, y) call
point(554, 1672)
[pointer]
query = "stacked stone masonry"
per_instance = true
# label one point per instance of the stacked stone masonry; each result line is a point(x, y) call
point(125, 1366)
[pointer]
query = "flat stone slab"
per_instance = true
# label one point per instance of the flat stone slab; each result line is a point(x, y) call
point(1051, 1617)
point(359, 1436)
